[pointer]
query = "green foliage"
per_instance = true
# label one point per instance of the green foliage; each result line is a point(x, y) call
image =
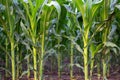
point(33, 32)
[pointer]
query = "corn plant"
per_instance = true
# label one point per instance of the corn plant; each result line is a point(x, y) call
point(31, 11)
point(72, 37)
point(105, 33)
point(9, 24)
point(10, 19)
point(107, 40)
point(87, 8)
point(58, 8)
point(83, 32)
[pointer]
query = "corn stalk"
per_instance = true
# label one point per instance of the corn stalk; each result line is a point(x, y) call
point(71, 61)
point(45, 18)
point(31, 12)
point(7, 61)
point(58, 9)
point(105, 15)
point(10, 19)
point(88, 10)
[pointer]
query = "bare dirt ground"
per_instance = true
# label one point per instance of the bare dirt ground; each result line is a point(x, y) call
point(52, 74)
point(113, 76)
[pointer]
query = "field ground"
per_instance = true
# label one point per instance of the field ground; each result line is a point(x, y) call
point(52, 74)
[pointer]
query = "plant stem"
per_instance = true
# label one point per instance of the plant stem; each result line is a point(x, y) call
point(85, 64)
point(105, 34)
point(71, 62)
point(104, 69)
point(98, 71)
point(13, 60)
point(35, 63)
point(91, 68)
point(17, 68)
point(59, 60)
point(41, 59)
point(28, 61)
point(11, 26)
point(85, 53)
point(7, 61)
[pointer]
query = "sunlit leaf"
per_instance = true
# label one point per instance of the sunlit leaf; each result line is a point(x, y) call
point(118, 6)
point(78, 65)
point(56, 5)
point(23, 73)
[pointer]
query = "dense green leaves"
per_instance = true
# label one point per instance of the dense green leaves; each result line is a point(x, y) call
point(34, 32)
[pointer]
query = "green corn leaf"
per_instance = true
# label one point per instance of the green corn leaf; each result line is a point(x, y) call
point(49, 53)
point(31, 5)
point(23, 73)
point(25, 30)
point(113, 45)
point(62, 20)
point(7, 53)
point(7, 70)
point(80, 5)
point(95, 7)
point(78, 48)
point(56, 5)
point(27, 56)
point(46, 14)
point(78, 65)
point(95, 49)
point(61, 1)
point(115, 51)
point(20, 12)
point(26, 7)
point(31, 67)
point(44, 18)
point(118, 6)
point(92, 47)
point(88, 11)
point(39, 3)
point(98, 48)
point(27, 45)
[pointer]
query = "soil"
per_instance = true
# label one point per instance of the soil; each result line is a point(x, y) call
point(67, 77)
point(51, 74)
